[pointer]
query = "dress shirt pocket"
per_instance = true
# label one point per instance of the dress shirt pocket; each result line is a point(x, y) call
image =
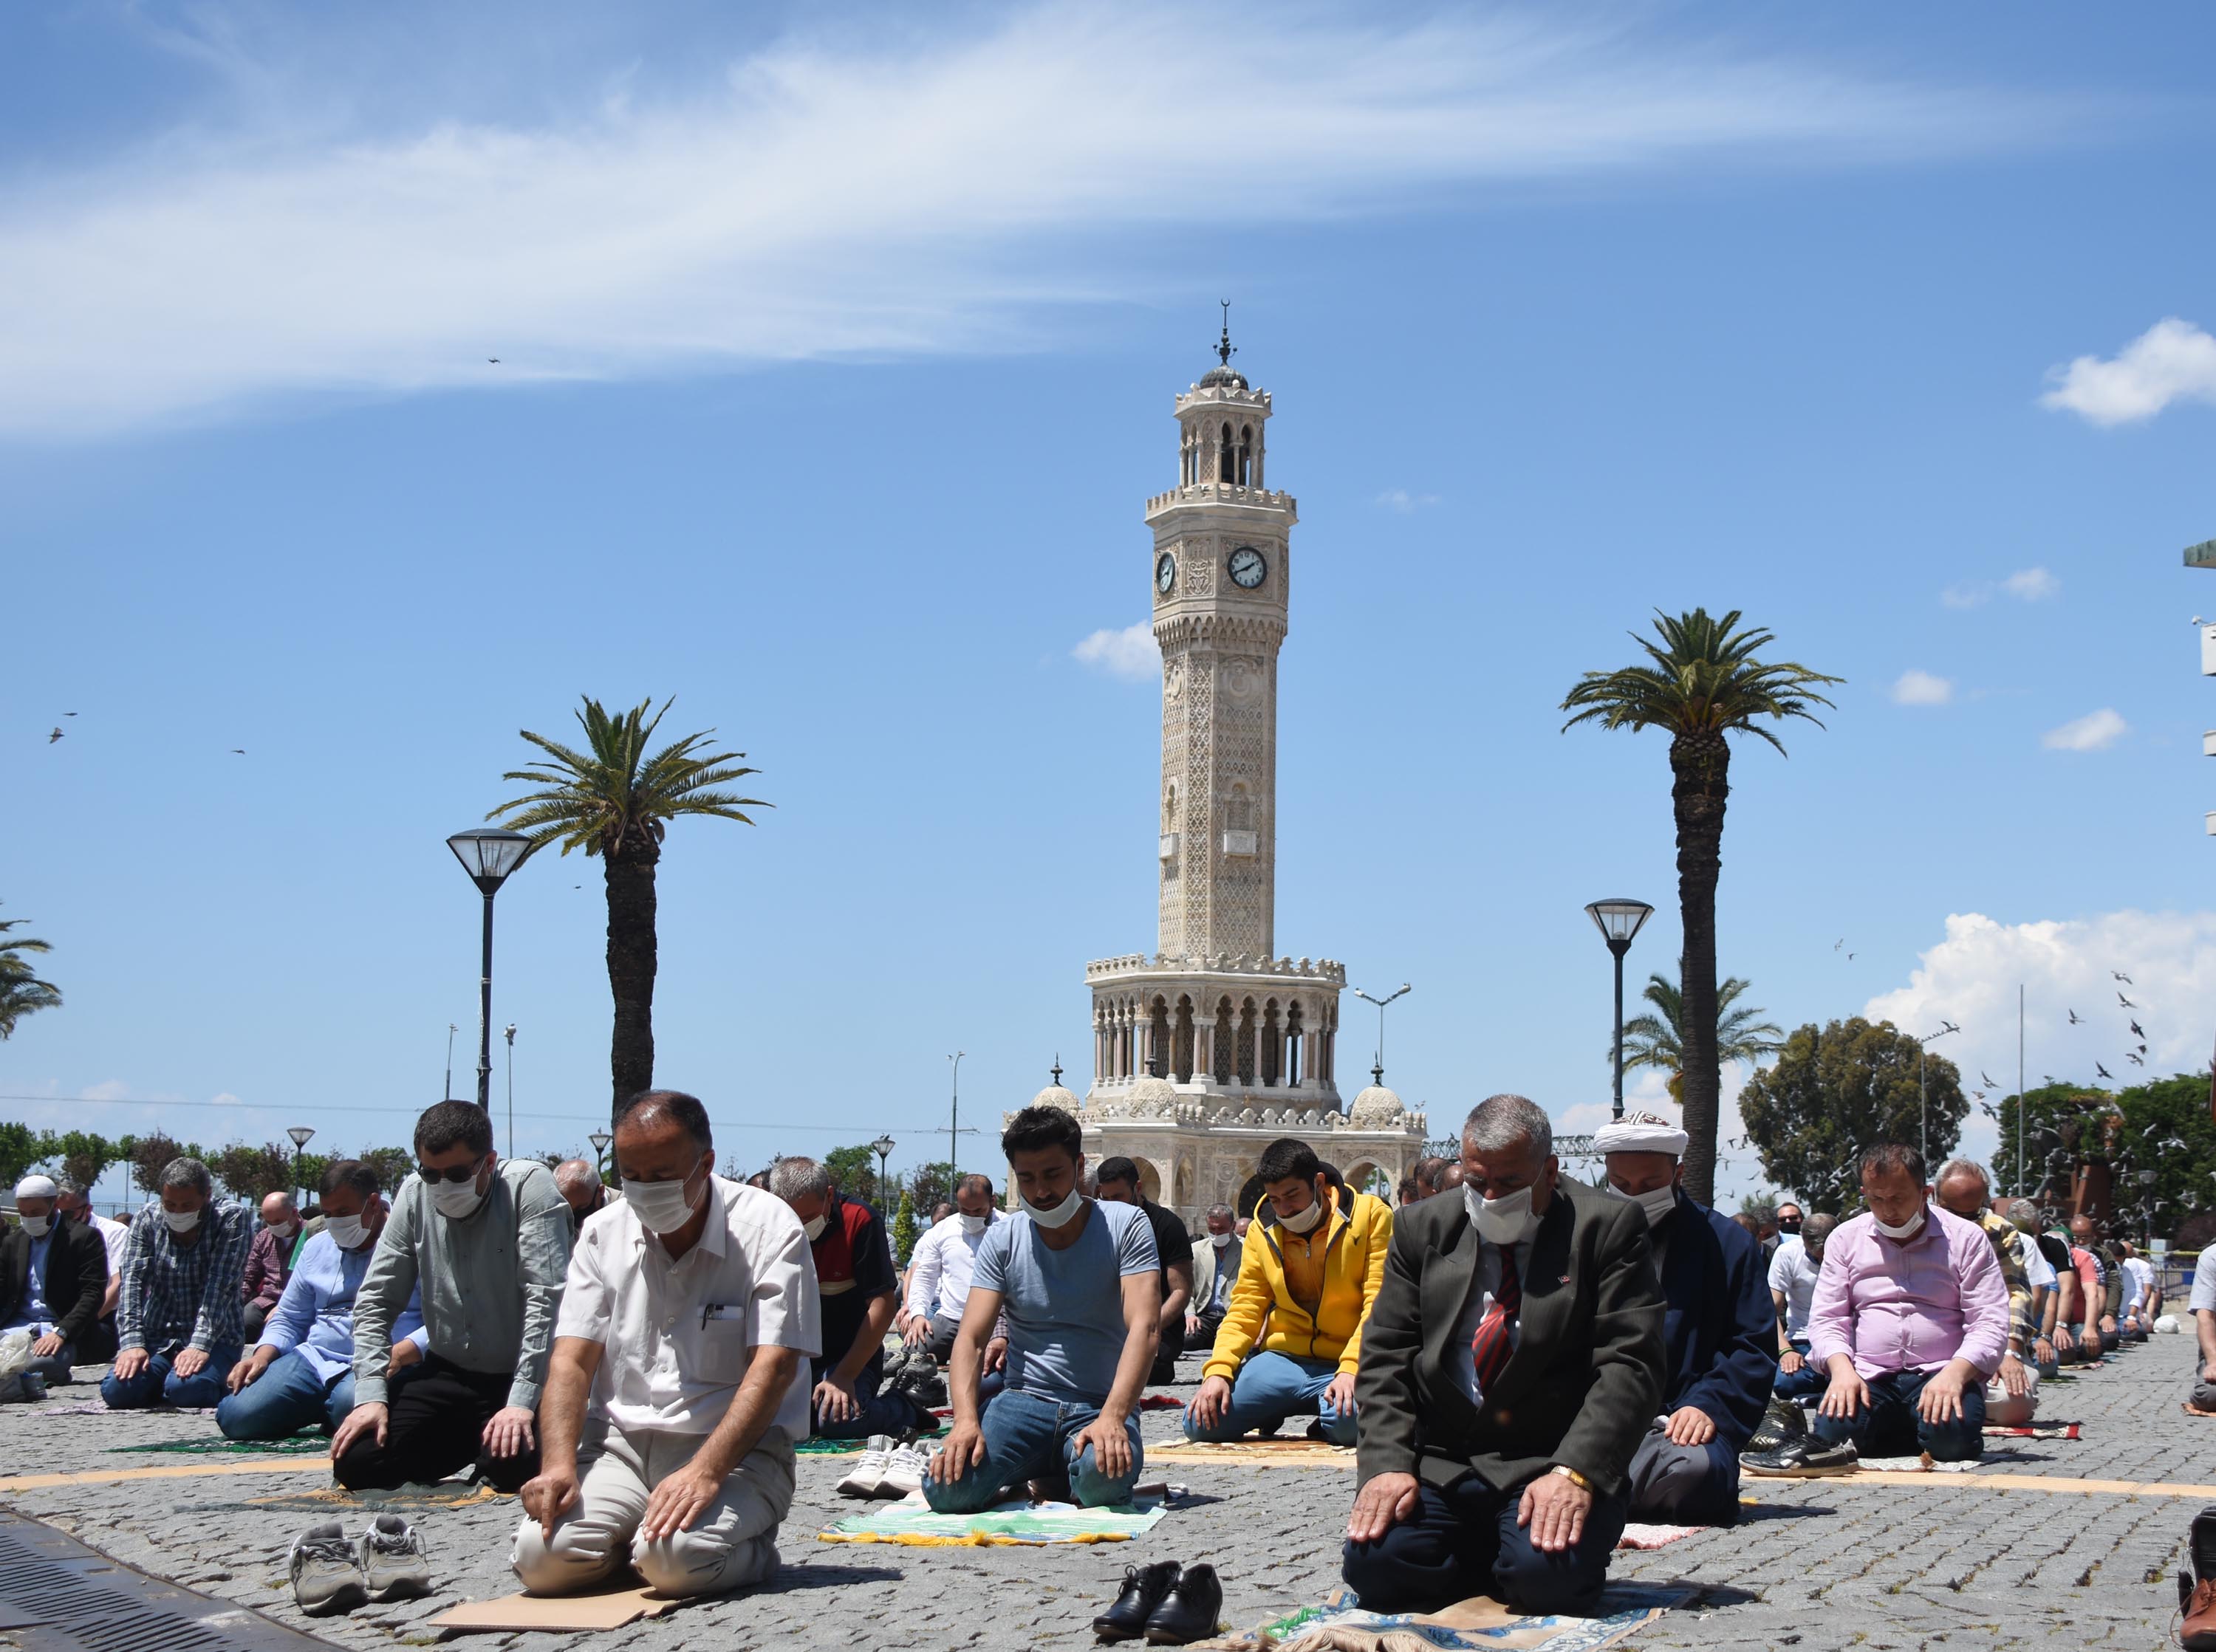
point(720, 1331)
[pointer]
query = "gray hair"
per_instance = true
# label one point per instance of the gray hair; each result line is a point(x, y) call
point(1954, 1167)
point(1499, 1122)
point(2021, 1211)
point(1225, 1212)
point(797, 1178)
point(1818, 1228)
point(575, 1173)
point(188, 1173)
point(71, 1186)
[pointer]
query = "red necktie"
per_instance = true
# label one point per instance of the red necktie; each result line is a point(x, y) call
point(1490, 1349)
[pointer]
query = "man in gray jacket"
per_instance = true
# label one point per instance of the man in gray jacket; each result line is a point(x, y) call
point(1215, 1271)
point(489, 1244)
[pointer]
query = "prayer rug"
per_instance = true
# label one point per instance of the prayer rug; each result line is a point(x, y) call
point(1339, 1625)
point(296, 1444)
point(102, 1409)
point(2050, 1431)
point(911, 1521)
point(847, 1448)
point(1265, 1450)
point(1639, 1534)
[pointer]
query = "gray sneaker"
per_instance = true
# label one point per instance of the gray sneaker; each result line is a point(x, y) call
point(327, 1574)
point(393, 1560)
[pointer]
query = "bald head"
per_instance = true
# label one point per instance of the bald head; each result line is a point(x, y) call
point(581, 1187)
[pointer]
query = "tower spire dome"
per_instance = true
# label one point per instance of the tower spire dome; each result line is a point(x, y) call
point(1223, 375)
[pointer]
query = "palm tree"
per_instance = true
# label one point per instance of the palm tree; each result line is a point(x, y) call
point(1653, 1041)
point(1704, 683)
point(21, 993)
point(614, 801)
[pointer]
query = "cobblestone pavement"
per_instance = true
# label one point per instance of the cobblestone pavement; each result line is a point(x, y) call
point(1817, 1565)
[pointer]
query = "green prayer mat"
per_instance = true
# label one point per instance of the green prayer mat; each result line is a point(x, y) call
point(297, 1445)
point(845, 1447)
point(909, 1522)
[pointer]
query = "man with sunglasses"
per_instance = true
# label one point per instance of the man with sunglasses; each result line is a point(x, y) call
point(487, 1244)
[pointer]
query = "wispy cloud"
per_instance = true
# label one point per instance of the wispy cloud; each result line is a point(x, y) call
point(2025, 585)
point(2095, 732)
point(1914, 687)
point(1400, 500)
point(2171, 361)
point(826, 198)
point(1132, 654)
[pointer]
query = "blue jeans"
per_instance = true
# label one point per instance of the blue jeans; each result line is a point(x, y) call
point(1806, 1384)
point(1891, 1426)
point(157, 1384)
point(284, 1399)
point(1027, 1438)
point(1272, 1387)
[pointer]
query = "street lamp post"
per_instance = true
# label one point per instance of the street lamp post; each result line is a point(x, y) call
point(954, 1122)
point(511, 1089)
point(301, 1134)
point(1618, 921)
point(1923, 1120)
point(601, 1138)
point(1378, 1067)
point(488, 854)
point(883, 1147)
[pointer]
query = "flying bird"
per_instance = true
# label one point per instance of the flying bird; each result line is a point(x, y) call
point(2133, 1060)
point(1947, 1026)
point(2102, 1071)
point(1990, 1082)
point(2125, 979)
point(238, 750)
point(69, 714)
point(2126, 1001)
point(52, 738)
point(1836, 944)
point(494, 360)
point(1851, 957)
point(2138, 1031)
point(2075, 1018)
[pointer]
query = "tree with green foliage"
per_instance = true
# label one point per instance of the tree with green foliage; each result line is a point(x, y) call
point(932, 1188)
point(854, 1171)
point(1703, 683)
point(21, 992)
point(19, 1151)
point(904, 1228)
point(1654, 1040)
point(393, 1165)
point(1834, 1091)
point(149, 1155)
point(2162, 1126)
point(616, 801)
point(78, 1155)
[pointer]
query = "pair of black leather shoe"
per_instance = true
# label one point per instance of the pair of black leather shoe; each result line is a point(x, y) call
point(1170, 1605)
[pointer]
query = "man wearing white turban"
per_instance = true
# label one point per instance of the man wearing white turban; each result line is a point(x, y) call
point(1717, 1331)
point(52, 1276)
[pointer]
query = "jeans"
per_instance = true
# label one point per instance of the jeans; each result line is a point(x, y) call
point(1029, 1438)
point(1269, 1388)
point(880, 1413)
point(1464, 1538)
point(1891, 1426)
point(159, 1385)
point(1806, 1384)
point(284, 1399)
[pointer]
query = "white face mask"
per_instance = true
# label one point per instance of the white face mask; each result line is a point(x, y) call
point(975, 1223)
point(1657, 1202)
point(1305, 1221)
point(284, 1230)
point(456, 1201)
point(813, 1227)
point(1506, 1221)
point(1906, 1231)
point(1055, 1215)
point(347, 1232)
point(182, 1221)
point(36, 1226)
point(1221, 1241)
point(665, 1206)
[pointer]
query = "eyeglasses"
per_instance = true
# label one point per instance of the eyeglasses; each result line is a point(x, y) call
point(453, 1172)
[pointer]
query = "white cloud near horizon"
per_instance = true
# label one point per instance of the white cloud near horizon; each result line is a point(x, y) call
point(2094, 731)
point(2025, 585)
point(1914, 687)
point(1132, 654)
point(1404, 503)
point(829, 200)
point(2172, 361)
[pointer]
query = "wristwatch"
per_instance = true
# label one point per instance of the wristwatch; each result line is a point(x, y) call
point(1572, 1475)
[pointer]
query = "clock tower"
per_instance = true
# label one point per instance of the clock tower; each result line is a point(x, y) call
point(1212, 1046)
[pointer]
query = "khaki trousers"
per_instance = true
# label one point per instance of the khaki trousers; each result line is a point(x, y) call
point(733, 1542)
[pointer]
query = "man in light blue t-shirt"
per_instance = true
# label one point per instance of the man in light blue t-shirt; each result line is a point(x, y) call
point(1078, 1282)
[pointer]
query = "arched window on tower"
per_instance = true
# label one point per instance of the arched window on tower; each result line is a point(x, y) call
point(1226, 457)
point(1245, 456)
point(1181, 1043)
point(1219, 1062)
point(1189, 456)
point(1293, 1045)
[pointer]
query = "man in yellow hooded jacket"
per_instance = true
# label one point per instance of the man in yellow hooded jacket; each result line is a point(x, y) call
point(1291, 1338)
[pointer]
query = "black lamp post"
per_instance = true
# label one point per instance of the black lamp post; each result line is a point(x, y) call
point(1617, 922)
point(601, 1138)
point(488, 854)
point(301, 1134)
point(883, 1147)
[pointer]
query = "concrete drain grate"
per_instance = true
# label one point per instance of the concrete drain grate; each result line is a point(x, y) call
point(58, 1595)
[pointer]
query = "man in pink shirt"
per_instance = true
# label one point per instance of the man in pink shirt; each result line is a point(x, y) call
point(1909, 1318)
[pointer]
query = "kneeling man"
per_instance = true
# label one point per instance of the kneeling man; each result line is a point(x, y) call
point(54, 1278)
point(1508, 1370)
point(1079, 1281)
point(1292, 1335)
point(1717, 1328)
point(678, 1385)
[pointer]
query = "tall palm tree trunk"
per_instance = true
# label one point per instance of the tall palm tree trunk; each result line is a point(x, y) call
point(631, 961)
point(1701, 764)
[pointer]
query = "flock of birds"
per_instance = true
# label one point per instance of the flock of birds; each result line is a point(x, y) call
point(236, 751)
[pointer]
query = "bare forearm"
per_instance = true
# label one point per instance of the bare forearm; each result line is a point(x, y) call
point(754, 1407)
point(2204, 1326)
point(1132, 1370)
point(562, 1407)
point(870, 1338)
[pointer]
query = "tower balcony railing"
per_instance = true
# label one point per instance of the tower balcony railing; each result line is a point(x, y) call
point(1221, 492)
point(1329, 970)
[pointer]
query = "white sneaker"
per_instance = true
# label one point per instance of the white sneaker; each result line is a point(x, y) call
point(864, 1480)
point(904, 1473)
point(394, 1563)
point(327, 1576)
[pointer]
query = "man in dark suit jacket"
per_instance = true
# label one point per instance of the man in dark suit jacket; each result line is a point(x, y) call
point(53, 1275)
point(1511, 1366)
point(1718, 1332)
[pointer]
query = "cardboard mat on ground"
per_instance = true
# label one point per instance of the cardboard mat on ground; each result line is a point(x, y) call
point(557, 1613)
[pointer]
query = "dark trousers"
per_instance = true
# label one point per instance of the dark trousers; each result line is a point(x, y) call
point(97, 1345)
point(1166, 1356)
point(251, 1319)
point(881, 1412)
point(437, 1413)
point(1465, 1538)
point(1891, 1426)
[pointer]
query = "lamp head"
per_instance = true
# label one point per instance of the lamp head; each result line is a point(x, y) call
point(1619, 920)
point(300, 1133)
point(489, 854)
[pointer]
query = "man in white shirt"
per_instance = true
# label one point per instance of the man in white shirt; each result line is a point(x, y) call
point(1793, 1273)
point(678, 1383)
point(2139, 1300)
point(944, 1262)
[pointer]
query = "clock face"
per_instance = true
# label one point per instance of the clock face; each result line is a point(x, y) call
point(1165, 574)
point(1247, 567)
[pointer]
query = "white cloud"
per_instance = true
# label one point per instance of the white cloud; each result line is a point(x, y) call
point(1400, 500)
point(1915, 687)
point(109, 1090)
point(2094, 731)
point(225, 1098)
point(2031, 584)
point(1131, 653)
point(2171, 361)
point(825, 197)
point(1968, 594)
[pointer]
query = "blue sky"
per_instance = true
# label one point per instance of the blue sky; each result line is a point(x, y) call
point(836, 360)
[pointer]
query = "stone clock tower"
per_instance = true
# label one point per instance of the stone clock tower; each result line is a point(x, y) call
point(1213, 1046)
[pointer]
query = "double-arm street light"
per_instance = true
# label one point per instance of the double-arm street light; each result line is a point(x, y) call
point(488, 854)
point(1618, 921)
point(1377, 1068)
point(1923, 1122)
